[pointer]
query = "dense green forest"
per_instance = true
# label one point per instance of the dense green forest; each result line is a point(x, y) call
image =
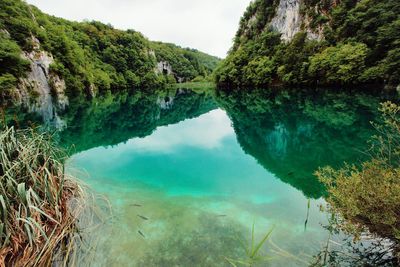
point(89, 56)
point(359, 46)
point(187, 63)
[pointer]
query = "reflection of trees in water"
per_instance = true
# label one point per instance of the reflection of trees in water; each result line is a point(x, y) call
point(367, 252)
point(292, 133)
point(19, 117)
point(117, 118)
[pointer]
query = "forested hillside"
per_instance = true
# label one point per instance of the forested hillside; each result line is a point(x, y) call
point(185, 62)
point(87, 58)
point(313, 42)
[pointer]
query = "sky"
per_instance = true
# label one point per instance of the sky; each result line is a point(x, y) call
point(207, 25)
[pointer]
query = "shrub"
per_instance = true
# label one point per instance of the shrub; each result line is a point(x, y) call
point(367, 197)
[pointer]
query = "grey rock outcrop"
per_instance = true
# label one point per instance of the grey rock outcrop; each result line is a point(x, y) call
point(36, 91)
point(163, 67)
point(289, 21)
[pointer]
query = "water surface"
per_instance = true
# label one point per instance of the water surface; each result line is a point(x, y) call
point(188, 172)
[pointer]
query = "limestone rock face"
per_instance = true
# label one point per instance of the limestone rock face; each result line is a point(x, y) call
point(163, 67)
point(59, 88)
point(42, 91)
point(287, 19)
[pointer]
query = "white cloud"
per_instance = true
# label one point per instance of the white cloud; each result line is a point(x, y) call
point(207, 25)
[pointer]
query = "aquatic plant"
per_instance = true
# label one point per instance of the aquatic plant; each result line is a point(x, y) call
point(253, 253)
point(341, 250)
point(308, 215)
point(37, 223)
point(367, 198)
point(205, 242)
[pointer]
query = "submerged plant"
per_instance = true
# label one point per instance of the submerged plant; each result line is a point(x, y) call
point(253, 253)
point(37, 223)
point(308, 214)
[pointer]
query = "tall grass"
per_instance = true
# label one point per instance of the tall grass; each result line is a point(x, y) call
point(38, 225)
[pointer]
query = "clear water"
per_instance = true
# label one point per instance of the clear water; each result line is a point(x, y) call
point(188, 172)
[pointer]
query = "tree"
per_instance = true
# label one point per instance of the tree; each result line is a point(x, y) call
point(341, 64)
point(259, 71)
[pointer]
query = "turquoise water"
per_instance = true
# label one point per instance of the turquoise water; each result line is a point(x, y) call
point(187, 173)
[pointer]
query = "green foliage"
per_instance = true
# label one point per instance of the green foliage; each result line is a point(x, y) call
point(7, 84)
point(91, 56)
point(361, 46)
point(259, 71)
point(199, 79)
point(253, 255)
point(368, 197)
point(10, 57)
point(341, 63)
point(293, 59)
point(254, 20)
point(186, 63)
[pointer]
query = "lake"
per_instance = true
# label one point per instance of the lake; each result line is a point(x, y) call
point(188, 172)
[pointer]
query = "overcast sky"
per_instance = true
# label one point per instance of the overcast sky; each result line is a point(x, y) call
point(207, 25)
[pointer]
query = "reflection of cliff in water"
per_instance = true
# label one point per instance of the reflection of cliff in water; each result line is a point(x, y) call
point(291, 133)
point(117, 118)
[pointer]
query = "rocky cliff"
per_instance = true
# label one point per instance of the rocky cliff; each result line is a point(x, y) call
point(287, 19)
point(41, 90)
point(44, 60)
point(291, 18)
point(315, 43)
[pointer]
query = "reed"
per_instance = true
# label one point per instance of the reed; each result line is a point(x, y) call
point(253, 256)
point(38, 224)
